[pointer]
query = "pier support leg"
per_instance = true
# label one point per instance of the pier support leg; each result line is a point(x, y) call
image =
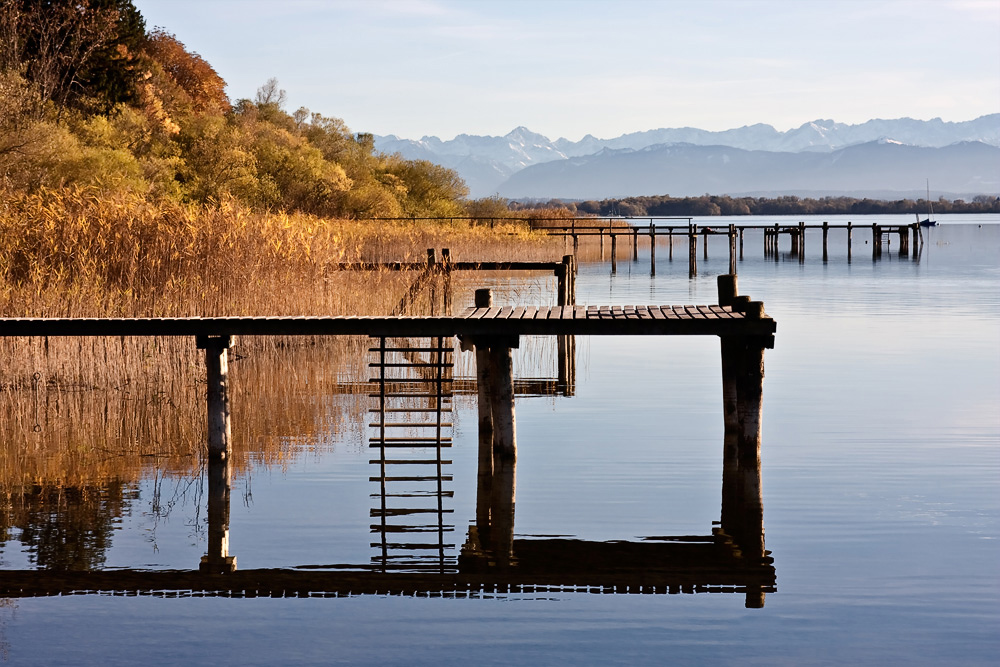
point(732, 249)
point(850, 240)
point(652, 250)
point(826, 238)
point(217, 373)
point(497, 440)
point(635, 244)
point(614, 254)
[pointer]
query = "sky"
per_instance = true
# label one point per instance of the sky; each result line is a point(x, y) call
point(569, 68)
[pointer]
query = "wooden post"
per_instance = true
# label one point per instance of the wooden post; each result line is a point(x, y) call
point(670, 244)
point(601, 232)
point(635, 244)
point(614, 253)
point(484, 299)
point(217, 373)
point(704, 234)
point(218, 560)
point(802, 242)
point(446, 269)
point(576, 244)
point(732, 249)
point(850, 239)
point(502, 400)
point(876, 241)
point(652, 249)
point(692, 251)
point(741, 244)
point(826, 237)
point(728, 291)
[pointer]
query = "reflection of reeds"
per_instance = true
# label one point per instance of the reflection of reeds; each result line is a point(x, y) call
point(76, 410)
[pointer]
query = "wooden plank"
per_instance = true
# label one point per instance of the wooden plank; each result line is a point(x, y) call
point(492, 313)
point(643, 312)
point(657, 312)
point(672, 312)
point(529, 313)
point(518, 313)
point(579, 312)
point(707, 313)
point(505, 312)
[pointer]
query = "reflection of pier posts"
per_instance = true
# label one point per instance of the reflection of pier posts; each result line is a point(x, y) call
point(217, 375)
point(218, 560)
point(497, 441)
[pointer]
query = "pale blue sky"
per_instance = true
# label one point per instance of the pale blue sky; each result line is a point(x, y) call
point(561, 68)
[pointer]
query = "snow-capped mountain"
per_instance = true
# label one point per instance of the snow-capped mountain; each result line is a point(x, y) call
point(486, 162)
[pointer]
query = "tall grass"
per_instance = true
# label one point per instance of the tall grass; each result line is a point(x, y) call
point(75, 410)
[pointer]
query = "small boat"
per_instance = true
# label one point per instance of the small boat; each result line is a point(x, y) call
point(929, 221)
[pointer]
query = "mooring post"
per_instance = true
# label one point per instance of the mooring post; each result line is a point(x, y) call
point(732, 249)
point(826, 237)
point(876, 241)
point(692, 250)
point(704, 233)
point(670, 243)
point(218, 560)
point(217, 373)
point(635, 244)
point(802, 242)
point(652, 249)
point(446, 268)
point(614, 253)
point(904, 241)
point(850, 239)
point(728, 291)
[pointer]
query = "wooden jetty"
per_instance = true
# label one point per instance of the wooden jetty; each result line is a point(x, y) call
point(613, 228)
point(743, 327)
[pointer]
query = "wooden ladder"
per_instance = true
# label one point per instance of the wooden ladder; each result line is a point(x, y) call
point(412, 426)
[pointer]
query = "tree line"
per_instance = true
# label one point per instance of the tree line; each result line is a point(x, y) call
point(90, 98)
point(709, 205)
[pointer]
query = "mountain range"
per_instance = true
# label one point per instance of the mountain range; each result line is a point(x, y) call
point(821, 157)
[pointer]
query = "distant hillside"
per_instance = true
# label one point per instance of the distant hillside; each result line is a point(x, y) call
point(486, 162)
point(688, 170)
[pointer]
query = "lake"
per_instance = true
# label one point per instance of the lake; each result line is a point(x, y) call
point(880, 470)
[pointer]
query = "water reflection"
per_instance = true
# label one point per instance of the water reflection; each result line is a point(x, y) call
point(730, 559)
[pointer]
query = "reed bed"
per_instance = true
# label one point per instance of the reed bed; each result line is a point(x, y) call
point(75, 411)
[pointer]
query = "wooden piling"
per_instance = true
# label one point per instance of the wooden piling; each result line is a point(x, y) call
point(850, 239)
point(446, 268)
point(802, 242)
point(652, 249)
point(635, 244)
point(670, 244)
point(614, 253)
point(217, 374)
point(741, 244)
point(826, 238)
point(692, 251)
point(732, 248)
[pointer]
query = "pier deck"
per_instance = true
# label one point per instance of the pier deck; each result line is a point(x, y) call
point(507, 321)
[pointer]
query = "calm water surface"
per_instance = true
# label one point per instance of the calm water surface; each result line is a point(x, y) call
point(881, 491)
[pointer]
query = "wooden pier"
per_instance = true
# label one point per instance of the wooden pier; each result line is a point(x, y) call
point(613, 228)
point(743, 327)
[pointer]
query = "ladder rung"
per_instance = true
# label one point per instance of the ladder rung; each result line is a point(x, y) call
point(410, 380)
point(413, 478)
point(399, 410)
point(417, 545)
point(417, 494)
point(407, 462)
point(404, 512)
point(378, 528)
point(408, 395)
point(408, 439)
point(411, 424)
point(446, 350)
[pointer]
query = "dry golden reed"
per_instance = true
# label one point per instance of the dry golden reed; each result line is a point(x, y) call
point(75, 410)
